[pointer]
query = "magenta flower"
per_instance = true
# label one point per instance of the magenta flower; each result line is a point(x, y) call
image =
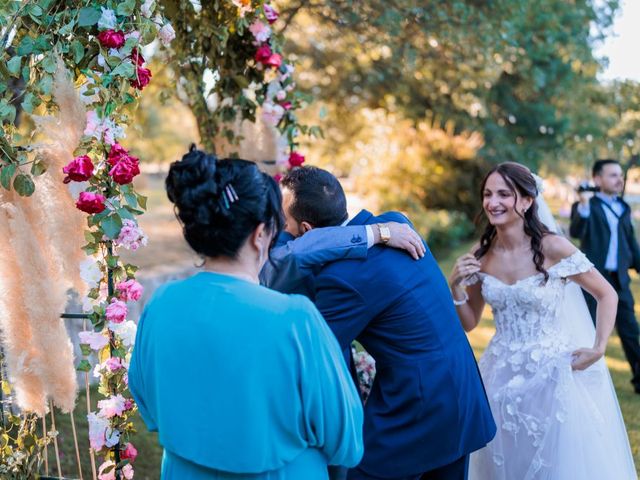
point(116, 311)
point(129, 290)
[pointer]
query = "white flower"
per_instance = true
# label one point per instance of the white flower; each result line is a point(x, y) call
point(166, 34)
point(97, 430)
point(281, 95)
point(90, 272)
point(147, 8)
point(226, 102)
point(126, 331)
point(112, 437)
point(272, 113)
point(108, 19)
point(95, 340)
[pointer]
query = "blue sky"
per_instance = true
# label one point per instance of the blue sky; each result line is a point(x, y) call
point(623, 45)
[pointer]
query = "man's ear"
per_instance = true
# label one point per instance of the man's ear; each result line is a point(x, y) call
point(305, 227)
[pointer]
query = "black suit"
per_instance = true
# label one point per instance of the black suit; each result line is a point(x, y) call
point(595, 234)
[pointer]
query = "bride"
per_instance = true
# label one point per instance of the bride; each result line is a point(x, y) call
point(550, 391)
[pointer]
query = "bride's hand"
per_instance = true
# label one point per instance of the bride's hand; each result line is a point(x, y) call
point(583, 358)
point(464, 267)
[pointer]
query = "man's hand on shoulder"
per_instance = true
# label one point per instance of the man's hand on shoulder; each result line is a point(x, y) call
point(401, 236)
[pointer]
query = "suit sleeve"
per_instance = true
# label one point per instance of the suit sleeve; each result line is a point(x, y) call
point(343, 308)
point(578, 225)
point(635, 249)
point(293, 259)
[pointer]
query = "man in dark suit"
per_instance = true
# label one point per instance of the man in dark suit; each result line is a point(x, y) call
point(427, 410)
point(602, 222)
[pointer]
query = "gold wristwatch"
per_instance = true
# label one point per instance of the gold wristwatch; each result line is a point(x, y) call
point(385, 233)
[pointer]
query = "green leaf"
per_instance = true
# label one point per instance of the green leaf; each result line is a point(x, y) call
point(131, 199)
point(126, 8)
point(67, 29)
point(46, 84)
point(130, 270)
point(7, 111)
point(78, 51)
point(84, 366)
point(13, 66)
point(24, 185)
point(30, 101)
point(38, 168)
point(90, 249)
point(49, 64)
point(111, 226)
point(125, 213)
point(42, 44)
point(6, 174)
point(88, 16)
point(125, 69)
point(85, 349)
point(25, 47)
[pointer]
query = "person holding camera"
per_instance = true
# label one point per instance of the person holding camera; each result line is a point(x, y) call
point(601, 220)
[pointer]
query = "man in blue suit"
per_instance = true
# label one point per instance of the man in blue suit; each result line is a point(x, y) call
point(427, 410)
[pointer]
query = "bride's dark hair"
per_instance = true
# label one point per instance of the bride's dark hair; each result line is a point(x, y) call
point(220, 202)
point(522, 183)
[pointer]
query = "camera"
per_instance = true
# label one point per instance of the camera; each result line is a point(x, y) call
point(587, 187)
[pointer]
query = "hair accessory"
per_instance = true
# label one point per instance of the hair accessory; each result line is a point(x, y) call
point(229, 195)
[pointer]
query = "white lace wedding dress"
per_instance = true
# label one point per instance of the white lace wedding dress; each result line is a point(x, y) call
point(553, 422)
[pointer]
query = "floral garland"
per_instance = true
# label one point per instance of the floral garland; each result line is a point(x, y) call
point(112, 205)
point(269, 81)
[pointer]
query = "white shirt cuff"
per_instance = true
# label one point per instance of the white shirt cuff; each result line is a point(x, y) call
point(369, 236)
point(584, 210)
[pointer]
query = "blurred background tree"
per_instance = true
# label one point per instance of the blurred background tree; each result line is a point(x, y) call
point(433, 92)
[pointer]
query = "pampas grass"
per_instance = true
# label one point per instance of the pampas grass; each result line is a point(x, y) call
point(44, 233)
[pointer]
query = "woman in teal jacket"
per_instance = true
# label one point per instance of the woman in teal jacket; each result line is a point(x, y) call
point(239, 381)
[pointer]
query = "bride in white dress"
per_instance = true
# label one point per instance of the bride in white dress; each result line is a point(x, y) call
point(550, 391)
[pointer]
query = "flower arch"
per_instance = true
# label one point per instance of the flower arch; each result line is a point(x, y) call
point(70, 78)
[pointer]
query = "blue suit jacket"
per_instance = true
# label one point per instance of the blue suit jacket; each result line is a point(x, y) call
point(294, 261)
point(428, 406)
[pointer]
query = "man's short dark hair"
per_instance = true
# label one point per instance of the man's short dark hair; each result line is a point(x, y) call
point(318, 197)
point(599, 165)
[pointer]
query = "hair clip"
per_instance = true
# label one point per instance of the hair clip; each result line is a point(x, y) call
point(229, 196)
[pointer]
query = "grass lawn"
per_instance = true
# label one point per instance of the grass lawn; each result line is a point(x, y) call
point(147, 464)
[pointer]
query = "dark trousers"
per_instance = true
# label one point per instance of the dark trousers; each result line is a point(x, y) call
point(458, 470)
point(626, 324)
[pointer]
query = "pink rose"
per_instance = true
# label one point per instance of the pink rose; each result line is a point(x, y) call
point(125, 170)
point(129, 290)
point(111, 38)
point(286, 105)
point(79, 169)
point(260, 31)
point(116, 311)
point(274, 61)
point(130, 452)
point(263, 54)
point(295, 159)
point(112, 406)
point(143, 77)
point(116, 153)
point(270, 13)
point(90, 202)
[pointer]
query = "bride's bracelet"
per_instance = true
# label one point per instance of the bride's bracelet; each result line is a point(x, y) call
point(457, 303)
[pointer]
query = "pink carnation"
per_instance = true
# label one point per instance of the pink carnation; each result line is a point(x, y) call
point(261, 31)
point(116, 311)
point(112, 406)
point(131, 236)
point(129, 290)
point(107, 471)
point(274, 61)
point(114, 364)
point(127, 472)
point(129, 453)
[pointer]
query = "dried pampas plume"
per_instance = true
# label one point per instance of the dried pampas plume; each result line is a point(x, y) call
point(44, 233)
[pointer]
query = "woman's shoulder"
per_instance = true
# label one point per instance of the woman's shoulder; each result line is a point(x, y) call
point(556, 248)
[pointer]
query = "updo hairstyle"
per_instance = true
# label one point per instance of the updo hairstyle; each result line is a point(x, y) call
point(220, 202)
